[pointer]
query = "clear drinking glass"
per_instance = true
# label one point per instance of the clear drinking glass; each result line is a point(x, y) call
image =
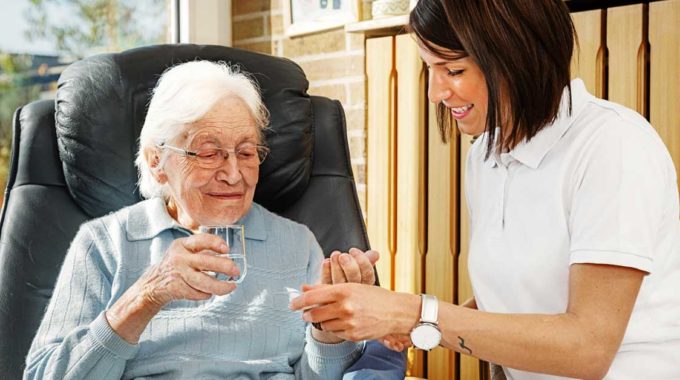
point(234, 236)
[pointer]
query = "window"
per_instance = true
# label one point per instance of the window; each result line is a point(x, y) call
point(39, 38)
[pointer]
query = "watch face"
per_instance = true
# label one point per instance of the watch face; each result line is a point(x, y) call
point(426, 336)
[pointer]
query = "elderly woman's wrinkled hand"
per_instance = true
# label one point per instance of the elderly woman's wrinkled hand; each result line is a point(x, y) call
point(181, 273)
point(353, 266)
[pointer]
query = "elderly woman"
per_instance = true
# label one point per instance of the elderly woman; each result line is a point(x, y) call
point(135, 297)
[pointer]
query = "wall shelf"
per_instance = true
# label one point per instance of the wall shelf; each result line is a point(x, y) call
point(387, 26)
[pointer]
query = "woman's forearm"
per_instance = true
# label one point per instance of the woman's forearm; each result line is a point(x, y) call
point(555, 344)
point(581, 342)
point(130, 314)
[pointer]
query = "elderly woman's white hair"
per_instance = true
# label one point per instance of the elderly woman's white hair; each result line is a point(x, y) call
point(183, 95)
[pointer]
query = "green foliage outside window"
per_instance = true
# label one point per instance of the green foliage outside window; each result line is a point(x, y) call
point(15, 92)
point(76, 28)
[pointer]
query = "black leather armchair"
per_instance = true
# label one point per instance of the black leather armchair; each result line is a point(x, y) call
point(72, 160)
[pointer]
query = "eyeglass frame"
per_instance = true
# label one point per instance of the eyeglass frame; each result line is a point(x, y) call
point(262, 152)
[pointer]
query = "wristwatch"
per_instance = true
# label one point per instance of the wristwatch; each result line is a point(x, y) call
point(426, 334)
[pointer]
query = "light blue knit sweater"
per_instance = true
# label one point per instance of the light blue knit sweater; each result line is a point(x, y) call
point(249, 333)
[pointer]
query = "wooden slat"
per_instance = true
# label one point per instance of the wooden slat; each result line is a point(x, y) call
point(584, 61)
point(442, 229)
point(664, 37)
point(642, 98)
point(411, 243)
point(469, 366)
point(380, 75)
point(624, 34)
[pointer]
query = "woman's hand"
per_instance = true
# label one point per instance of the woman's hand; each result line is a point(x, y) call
point(353, 266)
point(397, 342)
point(180, 275)
point(358, 312)
point(342, 267)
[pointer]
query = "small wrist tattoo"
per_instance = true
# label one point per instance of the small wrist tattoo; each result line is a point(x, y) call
point(461, 343)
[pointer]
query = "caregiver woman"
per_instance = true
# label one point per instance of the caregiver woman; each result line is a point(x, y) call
point(575, 238)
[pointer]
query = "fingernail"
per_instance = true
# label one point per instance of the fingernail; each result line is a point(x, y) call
point(344, 258)
point(224, 248)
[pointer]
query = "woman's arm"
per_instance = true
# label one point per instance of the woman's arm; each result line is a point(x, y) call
point(78, 338)
point(581, 342)
point(74, 339)
point(326, 356)
point(179, 276)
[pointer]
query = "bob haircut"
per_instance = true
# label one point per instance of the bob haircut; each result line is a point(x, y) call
point(524, 49)
point(184, 94)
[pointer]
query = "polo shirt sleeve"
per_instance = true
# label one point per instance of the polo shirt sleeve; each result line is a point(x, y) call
point(619, 184)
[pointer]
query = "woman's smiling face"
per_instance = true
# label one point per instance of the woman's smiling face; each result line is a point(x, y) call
point(459, 85)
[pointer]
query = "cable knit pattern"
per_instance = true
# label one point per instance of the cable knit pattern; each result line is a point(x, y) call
point(249, 333)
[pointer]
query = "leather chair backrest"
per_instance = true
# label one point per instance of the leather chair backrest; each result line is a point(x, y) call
point(81, 166)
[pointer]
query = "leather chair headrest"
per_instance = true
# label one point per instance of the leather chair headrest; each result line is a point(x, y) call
point(101, 105)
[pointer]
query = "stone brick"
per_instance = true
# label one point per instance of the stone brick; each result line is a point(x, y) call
point(355, 41)
point(277, 47)
point(276, 5)
point(241, 7)
point(357, 147)
point(248, 29)
point(335, 91)
point(261, 47)
point(276, 25)
point(333, 68)
point(359, 173)
point(357, 94)
point(356, 119)
point(314, 44)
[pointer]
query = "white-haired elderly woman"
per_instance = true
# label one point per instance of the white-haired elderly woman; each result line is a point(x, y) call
point(135, 297)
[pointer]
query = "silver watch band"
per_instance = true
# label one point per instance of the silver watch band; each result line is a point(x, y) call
point(429, 308)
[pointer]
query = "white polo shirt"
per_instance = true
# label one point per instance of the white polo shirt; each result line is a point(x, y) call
point(597, 186)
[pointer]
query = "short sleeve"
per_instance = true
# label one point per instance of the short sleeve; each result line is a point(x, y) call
point(621, 182)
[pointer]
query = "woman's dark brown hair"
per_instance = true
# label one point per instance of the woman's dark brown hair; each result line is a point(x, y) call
point(523, 47)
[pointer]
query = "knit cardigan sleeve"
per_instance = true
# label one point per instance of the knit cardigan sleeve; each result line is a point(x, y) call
point(320, 360)
point(74, 340)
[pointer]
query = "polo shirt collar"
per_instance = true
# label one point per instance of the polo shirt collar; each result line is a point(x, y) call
point(149, 218)
point(531, 153)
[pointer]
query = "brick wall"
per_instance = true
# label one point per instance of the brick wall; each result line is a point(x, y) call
point(333, 62)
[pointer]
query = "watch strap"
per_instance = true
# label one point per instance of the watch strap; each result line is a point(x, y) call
point(429, 308)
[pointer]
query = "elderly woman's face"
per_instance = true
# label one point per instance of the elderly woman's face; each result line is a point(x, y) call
point(201, 196)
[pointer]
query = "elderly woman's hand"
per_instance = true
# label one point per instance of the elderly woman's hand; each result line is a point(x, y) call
point(396, 342)
point(180, 275)
point(353, 266)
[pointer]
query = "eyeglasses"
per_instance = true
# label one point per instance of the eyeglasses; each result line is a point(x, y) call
point(247, 155)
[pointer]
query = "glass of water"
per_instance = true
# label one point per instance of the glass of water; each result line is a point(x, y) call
point(234, 236)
